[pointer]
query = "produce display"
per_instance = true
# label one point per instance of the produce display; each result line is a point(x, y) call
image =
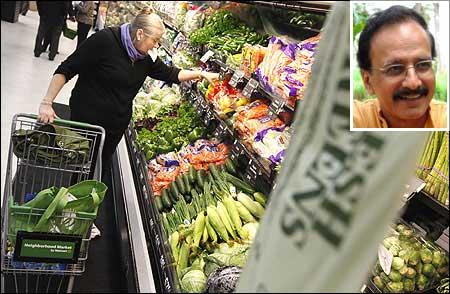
point(193, 20)
point(416, 265)
point(211, 223)
point(170, 132)
point(120, 12)
point(224, 98)
point(433, 167)
point(286, 67)
point(234, 61)
point(184, 59)
point(166, 168)
point(252, 56)
point(157, 103)
point(226, 34)
point(306, 19)
point(215, 24)
point(267, 136)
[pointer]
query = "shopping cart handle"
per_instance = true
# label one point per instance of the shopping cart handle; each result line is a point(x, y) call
point(60, 121)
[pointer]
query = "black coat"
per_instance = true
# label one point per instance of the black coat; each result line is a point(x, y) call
point(107, 79)
point(53, 12)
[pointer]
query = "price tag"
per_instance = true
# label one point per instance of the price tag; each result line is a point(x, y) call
point(238, 147)
point(233, 191)
point(158, 241)
point(385, 258)
point(276, 106)
point(167, 284)
point(236, 78)
point(206, 56)
point(250, 87)
point(221, 130)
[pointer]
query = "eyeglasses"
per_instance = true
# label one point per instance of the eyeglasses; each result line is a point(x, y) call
point(423, 68)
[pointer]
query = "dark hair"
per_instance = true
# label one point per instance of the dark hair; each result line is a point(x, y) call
point(393, 15)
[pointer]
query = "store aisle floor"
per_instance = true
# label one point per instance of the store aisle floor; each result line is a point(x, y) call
point(25, 78)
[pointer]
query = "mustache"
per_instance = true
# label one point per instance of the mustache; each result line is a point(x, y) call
point(399, 94)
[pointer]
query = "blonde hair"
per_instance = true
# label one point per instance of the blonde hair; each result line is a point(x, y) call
point(148, 21)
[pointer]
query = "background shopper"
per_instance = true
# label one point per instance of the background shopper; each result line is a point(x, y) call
point(85, 18)
point(52, 15)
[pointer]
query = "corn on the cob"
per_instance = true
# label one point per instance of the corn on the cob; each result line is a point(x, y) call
point(174, 240)
point(199, 227)
point(254, 207)
point(216, 223)
point(212, 234)
point(205, 234)
point(183, 257)
point(223, 214)
point(244, 214)
point(233, 212)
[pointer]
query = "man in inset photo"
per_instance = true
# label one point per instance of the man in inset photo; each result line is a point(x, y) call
point(396, 56)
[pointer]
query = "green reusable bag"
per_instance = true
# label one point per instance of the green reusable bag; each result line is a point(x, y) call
point(50, 143)
point(61, 215)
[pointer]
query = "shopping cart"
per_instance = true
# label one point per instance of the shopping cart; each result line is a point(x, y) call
point(43, 156)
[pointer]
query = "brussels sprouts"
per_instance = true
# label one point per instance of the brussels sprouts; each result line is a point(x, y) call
point(404, 254)
point(395, 276)
point(404, 270)
point(443, 271)
point(411, 273)
point(407, 233)
point(437, 259)
point(378, 268)
point(429, 270)
point(408, 285)
point(414, 258)
point(378, 282)
point(400, 228)
point(397, 263)
point(416, 245)
point(384, 278)
point(426, 255)
point(389, 241)
point(445, 260)
point(395, 287)
point(419, 267)
point(422, 282)
point(394, 250)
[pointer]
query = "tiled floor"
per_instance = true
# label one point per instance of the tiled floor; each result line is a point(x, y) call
point(25, 78)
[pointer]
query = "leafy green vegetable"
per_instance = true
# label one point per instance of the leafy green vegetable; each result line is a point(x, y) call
point(171, 132)
point(194, 281)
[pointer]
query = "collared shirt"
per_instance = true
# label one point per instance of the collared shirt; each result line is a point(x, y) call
point(368, 114)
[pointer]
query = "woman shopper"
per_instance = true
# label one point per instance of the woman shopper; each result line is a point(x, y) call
point(112, 65)
point(85, 19)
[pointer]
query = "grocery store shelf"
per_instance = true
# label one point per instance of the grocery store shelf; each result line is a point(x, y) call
point(142, 260)
point(433, 203)
point(254, 167)
point(164, 276)
point(166, 47)
point(309, 6)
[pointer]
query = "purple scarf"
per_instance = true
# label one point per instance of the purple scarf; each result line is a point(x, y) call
point(128, 44)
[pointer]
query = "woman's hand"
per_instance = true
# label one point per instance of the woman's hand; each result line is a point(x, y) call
point(210, 76)
point(46, 113)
